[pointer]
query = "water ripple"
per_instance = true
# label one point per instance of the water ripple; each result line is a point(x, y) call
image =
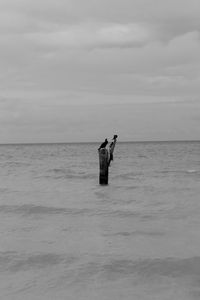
point(14, 262)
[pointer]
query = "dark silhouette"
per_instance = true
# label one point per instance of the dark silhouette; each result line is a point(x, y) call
point(105, 158)
point(111, 154)
point(104, 144)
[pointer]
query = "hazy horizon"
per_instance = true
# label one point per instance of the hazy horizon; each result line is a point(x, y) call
point(98, 142)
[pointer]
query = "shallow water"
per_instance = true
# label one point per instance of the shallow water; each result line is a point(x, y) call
point(62, 236)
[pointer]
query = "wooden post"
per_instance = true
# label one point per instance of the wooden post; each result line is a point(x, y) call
point(103, 166)
point(105, 157)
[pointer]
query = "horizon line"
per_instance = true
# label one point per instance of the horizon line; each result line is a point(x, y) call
point(97, 142)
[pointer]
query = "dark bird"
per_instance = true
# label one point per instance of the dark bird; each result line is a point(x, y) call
point(115, 136)
point(104, 144)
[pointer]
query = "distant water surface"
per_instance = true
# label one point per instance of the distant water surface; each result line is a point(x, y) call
point(62, 236)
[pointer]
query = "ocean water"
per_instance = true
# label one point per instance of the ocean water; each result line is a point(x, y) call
point(62, 236)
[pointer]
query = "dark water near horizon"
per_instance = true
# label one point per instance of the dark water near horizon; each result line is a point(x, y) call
point(62, 236)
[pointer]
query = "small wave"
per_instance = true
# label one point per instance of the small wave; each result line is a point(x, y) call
point(189, 171)
point(142, 156)
point(66, 174)
point(137, 232)
point(4, 190)
point(28, 210)
point(192, 171)
point(16, 164)
point(132, 187)
point(115, 269)
point(123, 214)
point(130, 175)
point(15, 262)
point(169, 267)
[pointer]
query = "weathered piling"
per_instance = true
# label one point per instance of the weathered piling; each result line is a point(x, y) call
point(103, 166)
point(105, 157)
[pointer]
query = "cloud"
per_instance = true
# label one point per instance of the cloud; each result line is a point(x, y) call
point(91, 35)
point(170, 18)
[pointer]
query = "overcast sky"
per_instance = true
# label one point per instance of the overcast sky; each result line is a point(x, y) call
point(83, 70)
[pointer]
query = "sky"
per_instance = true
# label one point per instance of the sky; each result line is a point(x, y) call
point(74, 70)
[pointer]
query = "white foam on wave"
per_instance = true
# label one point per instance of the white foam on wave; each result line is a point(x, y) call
point(191, 171)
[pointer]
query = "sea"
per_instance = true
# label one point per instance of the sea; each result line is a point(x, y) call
point(65, 237)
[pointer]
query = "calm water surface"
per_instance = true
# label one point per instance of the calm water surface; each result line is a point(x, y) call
point(62, 236)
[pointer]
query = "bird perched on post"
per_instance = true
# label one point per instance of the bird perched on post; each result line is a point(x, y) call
point(103, 145)
point(111, 146)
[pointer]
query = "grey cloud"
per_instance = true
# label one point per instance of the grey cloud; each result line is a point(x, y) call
point(168, 17)
point(95, 35)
